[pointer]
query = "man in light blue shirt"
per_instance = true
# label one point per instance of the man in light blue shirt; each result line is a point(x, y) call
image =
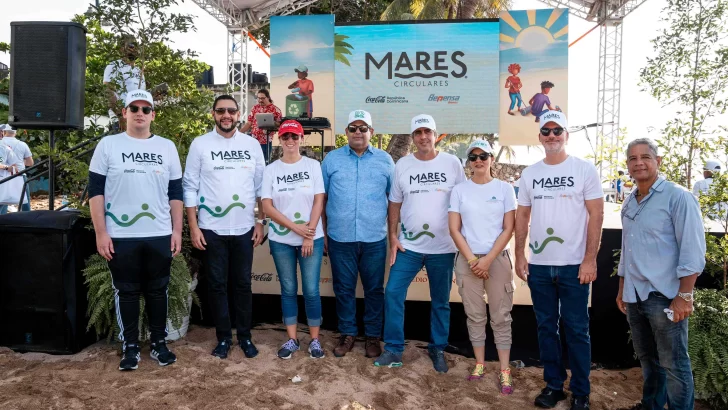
point(357, 178)
point(663, 252)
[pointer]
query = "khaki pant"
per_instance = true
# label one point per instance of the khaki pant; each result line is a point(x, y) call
point(498, 290)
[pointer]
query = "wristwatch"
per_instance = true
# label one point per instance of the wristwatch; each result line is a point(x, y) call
point(261, 221)
point(687, 296)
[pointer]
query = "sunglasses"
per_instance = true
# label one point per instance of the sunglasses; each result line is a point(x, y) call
point(135, 109)
point(286, 137)
point(557, 131)
point(483, 156)
point(221, 111)
point(362, 128)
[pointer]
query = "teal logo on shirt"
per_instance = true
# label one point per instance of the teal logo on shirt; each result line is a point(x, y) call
point(536, 249)
point(218, 212)
point(125, 222)
point(285, 231)
point(411, 236)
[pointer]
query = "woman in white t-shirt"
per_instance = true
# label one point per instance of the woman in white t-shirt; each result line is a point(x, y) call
point(293, 198)
point(482, 219)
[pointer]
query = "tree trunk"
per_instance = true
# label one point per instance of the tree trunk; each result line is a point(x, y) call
point(399, 146)
point(467, 9)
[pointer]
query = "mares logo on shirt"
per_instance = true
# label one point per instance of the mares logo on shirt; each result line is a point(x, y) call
point(230, 155)
point(554, 184)
point(142, 158)
point(293, 178)
point(428, 178)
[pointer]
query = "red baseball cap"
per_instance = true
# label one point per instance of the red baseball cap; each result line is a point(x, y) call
point(290, 127)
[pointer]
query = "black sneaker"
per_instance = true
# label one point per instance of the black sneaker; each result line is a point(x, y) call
point(286, 351)
point(549, 398)
point(222, 349)
point(248, 348)
point(161, 354)
point(580, 403)
point(438, 360)
point(132, 355)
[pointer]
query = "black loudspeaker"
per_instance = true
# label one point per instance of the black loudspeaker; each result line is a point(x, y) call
point(42, 293)
point(207, 78)
point(47, 75)
point(247, 72)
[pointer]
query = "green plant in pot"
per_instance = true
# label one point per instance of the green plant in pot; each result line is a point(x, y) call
point(101, 306)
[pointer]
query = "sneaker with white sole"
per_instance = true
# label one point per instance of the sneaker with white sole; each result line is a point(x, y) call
point(288, 348)
point(131, 358)
point(315, 349)
point(161, 353)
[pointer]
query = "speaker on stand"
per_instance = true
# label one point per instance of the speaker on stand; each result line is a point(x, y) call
point(48, 77)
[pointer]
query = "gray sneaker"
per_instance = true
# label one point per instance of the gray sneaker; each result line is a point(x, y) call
point(286, 351)
point(315, 349)
point(389, 359)
point(438, 360)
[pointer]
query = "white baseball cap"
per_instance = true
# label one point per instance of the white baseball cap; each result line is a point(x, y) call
point(138, 95)
point(301, 69)
point(712, 166)
point(482, 144)
point(360, 115)
point(6, 127)
point(553, 116)
point(423, 120)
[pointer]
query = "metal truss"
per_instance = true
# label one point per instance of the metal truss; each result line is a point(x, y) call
point(233, 17)
point(237, 57)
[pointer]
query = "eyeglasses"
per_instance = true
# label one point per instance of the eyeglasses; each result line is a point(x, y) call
point(546, 130)
point(362, 128)
point(135, 109)
point(262, 98)
point(221, 110)
point(286, 137)
point(483, 156)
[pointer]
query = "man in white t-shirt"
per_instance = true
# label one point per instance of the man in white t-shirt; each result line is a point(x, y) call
point(710, 169)
point(562, 198)
point(222, 181)
point(135, 196)
point(419, 198)
point(22, 152)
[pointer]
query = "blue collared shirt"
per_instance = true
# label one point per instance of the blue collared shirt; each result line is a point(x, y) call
point(663, 240)
point(357, 189)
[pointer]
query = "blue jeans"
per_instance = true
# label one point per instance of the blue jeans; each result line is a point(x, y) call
point(285, 258)
point(515, 98)
point(662, 348)
point(540, 113)
point(554, 288)
point(348, 261)
point(439, 276)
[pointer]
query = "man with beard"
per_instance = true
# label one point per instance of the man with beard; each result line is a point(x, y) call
point(222, 181)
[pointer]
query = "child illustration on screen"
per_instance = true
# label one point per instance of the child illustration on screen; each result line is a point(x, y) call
point(513, 84)
point(541, 100)
point(303, 88)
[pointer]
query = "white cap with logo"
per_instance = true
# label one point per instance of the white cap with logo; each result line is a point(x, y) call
point(482, 144)
point(138, 95)
point(423, 120)
point(553, 116)
point(712, 166)
point(6, 127)
point(360, 115)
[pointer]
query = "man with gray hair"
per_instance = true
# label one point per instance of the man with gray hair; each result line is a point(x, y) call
point(663, 252)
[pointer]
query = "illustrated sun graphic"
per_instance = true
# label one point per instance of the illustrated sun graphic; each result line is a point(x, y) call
point(534, 37)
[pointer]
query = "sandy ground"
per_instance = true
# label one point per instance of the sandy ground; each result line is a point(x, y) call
point(90, 379)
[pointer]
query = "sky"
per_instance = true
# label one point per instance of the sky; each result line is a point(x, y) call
point(641, 114)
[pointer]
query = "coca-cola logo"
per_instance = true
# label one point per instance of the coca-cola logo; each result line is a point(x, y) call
point(375, 100)
point(263, 277)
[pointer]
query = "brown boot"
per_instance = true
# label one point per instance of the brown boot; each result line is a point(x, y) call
point(373, 347)
point(346, 343)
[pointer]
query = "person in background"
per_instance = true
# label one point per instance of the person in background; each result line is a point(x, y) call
point(357, 178)
point(482, 215)
point(224, 172)
point(264, 106)
point(293, 198)
point(703, 186)
point(122, 77)
point(516, 184)
point(662, 255)
point(304, 87)
point(22, 152)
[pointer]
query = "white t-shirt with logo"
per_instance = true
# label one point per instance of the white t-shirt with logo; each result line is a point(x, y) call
point(423, 188)
point(556, 195)
point(126, 78)
point(223, 177)
point(482, 208)
point(292, 188)
point(20, 148)
point(138, 172)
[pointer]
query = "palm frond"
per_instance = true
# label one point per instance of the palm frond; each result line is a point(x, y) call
point(395, 9)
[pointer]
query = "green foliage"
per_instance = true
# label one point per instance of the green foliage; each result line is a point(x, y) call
point(444, 9)
point(4, 47)
point(690, 72)
point(714, 206)
point(708, 330)
point(101, 310)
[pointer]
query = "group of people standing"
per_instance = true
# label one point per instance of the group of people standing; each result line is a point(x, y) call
point(15, 156)
point(359, 206)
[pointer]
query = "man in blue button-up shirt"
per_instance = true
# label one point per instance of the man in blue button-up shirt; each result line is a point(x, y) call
point(357, 178)
point(663, 252)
